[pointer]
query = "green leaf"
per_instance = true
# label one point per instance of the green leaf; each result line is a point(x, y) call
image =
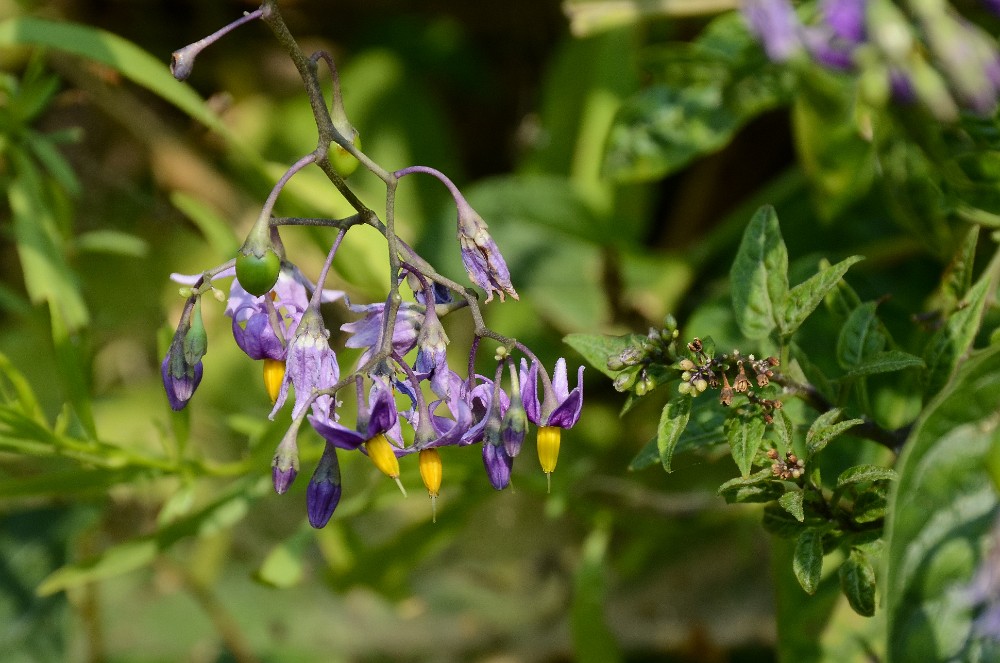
point(701, 94)
point(745, 435)
point(19, 392)
point(823, 429)
point(47, 276)
point(664, 128)
point(759, 276)
point(869, 507)
point(71, 356)
point(807, 562)
point(888, 361)
point(957, 278)
point(673, 420)
point(803, 299)
point(112, 241)
point(861, 337)
point(758, 487)
point(792, 503)
point(864, 474)
point(950, 343)
point(704, 429)
point(942, 516)
point(282, 568)
point(857, 581)
point(598, 348)
point(779, 522)
point(783, 427)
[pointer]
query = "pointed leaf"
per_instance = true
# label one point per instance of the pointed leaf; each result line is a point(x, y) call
point(758, 487)
point(792, 503)
point(822, 436)
point(673, 420)
point(783, 427)
point(598, 348)
point(865, 473)
point(807, 562)
point(862, 336)
point(857, 581)
point(888, 361)
point(745, 436)
point(957, 278)
point(947, 347)
point(803, 299)
point(759, 276)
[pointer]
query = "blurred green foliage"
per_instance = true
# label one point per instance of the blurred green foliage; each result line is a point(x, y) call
point(619, 172)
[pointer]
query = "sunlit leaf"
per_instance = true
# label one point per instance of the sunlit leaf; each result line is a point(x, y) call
point(598, 348)
point(792, 503)
point(745, 436)
point(884, 362)
point(803, 299)
point(759, 276)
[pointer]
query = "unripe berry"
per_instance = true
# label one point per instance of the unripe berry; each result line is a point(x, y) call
point(257, 274)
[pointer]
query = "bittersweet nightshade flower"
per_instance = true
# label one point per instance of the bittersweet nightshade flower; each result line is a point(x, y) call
point(776, 25)
point(559, 408)
point(367, 332)
point(378, 417)
point(432, 353)
point(310, 364)
point(323, 492)
point(480, 400)
point(480, 254)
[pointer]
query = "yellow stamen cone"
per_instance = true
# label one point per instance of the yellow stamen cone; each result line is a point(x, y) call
point(380, 451)
point(274, 373)
point(429, 461)
point(548, 450)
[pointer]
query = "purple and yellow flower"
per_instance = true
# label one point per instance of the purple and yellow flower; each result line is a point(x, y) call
point(557, 409)
point(377, 423)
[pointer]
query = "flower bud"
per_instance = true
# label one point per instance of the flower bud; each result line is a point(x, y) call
point(196, 339)
point(285, 464)
point(625, 381)
point(323, 493)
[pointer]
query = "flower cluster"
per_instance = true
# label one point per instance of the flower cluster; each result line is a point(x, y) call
point(409, 399)
point(937, 57)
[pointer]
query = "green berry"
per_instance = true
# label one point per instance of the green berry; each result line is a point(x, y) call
point(343, 161)
point(256, 274)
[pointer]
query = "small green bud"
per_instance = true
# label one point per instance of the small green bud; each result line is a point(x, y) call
point(196, 339)
point(686, 365)
point(686, 375)
point(701, 384)
point(625, 381)
point(684, 387)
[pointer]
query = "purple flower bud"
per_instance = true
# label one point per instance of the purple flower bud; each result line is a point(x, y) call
point(515, 422)
point(480, 254)
point(285, 465)
point(323, 493)
point(180, 379)
point(498, 465)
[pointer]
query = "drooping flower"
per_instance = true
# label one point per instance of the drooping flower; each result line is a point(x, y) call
point(367, 332)
point(480, 254)
point(310, 365)
point(377, 423)
point(285, 464)
point(558, 408)
point(432, 353)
